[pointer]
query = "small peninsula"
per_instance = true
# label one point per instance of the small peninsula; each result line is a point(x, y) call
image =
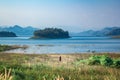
point(7, 34)
point(50, 33)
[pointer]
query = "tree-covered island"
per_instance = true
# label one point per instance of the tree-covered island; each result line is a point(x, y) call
point(50, 33)
point(7, 34)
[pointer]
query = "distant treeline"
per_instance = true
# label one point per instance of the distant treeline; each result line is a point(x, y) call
point(7, 34)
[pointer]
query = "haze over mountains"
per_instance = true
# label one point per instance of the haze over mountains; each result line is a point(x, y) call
point(28, 31)
point(108, 31)
point(19, 31)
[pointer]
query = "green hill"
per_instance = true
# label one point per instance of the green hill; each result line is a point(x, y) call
point(7, 34)
point(50, 33)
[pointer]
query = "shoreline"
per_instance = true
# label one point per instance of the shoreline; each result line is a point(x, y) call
point(100, 53)
point(61, 49)
point(47, 49)
point(62, 53)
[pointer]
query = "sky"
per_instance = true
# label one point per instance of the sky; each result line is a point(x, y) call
point(71, 15)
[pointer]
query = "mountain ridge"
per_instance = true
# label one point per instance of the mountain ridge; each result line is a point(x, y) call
point(107, 31)
point(29, 30)
point(19, 30)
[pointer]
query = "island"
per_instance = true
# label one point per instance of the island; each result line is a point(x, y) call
point(50, 33)
point(7, 34)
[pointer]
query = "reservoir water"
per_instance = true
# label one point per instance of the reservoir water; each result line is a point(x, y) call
point(71, 45)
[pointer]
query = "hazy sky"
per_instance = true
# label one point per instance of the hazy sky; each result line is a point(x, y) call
point(72, 15)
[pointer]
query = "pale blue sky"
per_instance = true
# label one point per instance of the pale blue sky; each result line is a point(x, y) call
point(72, 15)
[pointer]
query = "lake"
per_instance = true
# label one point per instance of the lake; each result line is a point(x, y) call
point(71, 45)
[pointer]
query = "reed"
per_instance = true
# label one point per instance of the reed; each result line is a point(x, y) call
point(6, 75)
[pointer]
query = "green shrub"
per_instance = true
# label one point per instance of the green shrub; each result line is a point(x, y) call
point(100, 60)
point(95, 57)
point(106, 61)
point(116, 63)
point(93, 60)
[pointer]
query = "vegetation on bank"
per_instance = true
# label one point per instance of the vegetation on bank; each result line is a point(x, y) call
point(7, 34)
point(50, 33)
point(5, 48)
point(40, 67)
point(10, 47)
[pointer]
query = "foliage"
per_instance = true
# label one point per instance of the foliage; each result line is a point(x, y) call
point(4, 48)
point(7, 47)
point(7, 34)
point(101, 60)
point(106, 61)
point(51, 33)
point(93, 60)
point(117, 63)
point(10, 47)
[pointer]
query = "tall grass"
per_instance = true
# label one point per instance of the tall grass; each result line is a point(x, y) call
point(6, 75)
point(34, 67)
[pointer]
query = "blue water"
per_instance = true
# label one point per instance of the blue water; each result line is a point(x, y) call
point(71, 45)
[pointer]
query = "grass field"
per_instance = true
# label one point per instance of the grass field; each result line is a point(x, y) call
point(49, 67)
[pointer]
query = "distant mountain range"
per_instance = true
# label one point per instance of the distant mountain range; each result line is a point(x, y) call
point(108, 31)
point(19, 31)
point(28, 31)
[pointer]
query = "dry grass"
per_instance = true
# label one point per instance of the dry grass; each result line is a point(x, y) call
point(48, 59)
point(59, 78)
point(64, 68)
point(6, 75)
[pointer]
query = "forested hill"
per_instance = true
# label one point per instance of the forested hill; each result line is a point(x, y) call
point(50, 33)
point(115, 32)
point(7, 34)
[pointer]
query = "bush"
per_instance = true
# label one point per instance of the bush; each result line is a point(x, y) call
point(101, 60)
point(116, 63)
point(106, 61)
point(93, 60)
